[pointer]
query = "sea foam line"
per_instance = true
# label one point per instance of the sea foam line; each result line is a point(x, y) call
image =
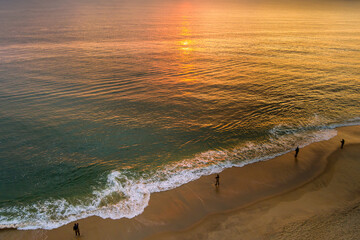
point(126, 197)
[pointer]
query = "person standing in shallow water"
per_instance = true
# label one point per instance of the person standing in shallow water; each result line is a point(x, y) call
point(217, 183)
point(296, 151)
point(76, 229)
point(342, 143)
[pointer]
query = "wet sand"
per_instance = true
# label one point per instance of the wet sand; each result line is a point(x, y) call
point(316, 195)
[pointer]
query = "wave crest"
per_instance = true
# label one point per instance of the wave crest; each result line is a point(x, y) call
point(125, 196)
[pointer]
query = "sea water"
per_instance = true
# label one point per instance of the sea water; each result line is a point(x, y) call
point(104, 102)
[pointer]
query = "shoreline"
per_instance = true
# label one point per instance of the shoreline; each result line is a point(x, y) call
point(328, 207)
point(190, 206)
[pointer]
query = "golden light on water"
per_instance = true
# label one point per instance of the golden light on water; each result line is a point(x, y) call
point(185, 33)
point(186, 42)
point(186, 45)
point(136, 86)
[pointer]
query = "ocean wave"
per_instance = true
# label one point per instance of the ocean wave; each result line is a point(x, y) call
point(125, 196)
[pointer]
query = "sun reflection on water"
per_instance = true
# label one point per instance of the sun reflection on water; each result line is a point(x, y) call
point(185, 51)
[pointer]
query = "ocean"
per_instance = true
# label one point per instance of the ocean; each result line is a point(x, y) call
point(104, 103)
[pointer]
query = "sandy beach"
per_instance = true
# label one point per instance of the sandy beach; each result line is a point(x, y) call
point(316, 196)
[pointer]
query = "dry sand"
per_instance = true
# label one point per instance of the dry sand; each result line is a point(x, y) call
point(316, 196)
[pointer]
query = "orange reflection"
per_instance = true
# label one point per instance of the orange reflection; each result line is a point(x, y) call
point(186, 45)
point(187, 67)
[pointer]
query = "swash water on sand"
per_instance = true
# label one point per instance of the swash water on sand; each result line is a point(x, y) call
point(104, 103)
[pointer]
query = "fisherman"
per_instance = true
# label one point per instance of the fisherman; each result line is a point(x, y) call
point(342, 143)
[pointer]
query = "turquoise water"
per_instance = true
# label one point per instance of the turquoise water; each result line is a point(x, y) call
point(102, 104)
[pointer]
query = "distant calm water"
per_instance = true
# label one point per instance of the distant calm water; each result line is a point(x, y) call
point(102, 104)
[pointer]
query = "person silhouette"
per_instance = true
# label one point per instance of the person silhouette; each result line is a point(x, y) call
point(342, 143)
point(76, 229)
point(296, 151)
point(217, 183)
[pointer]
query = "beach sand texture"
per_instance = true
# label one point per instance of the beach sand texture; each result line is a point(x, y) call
point(316, 196)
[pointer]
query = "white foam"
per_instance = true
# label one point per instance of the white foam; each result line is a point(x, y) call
point(126, 197)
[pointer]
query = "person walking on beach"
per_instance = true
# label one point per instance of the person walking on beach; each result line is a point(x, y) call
point(76, 229)
point(217, 183)
point(342, 143)
point(296, 151)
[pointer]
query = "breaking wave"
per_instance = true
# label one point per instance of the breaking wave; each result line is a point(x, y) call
point(126, 196)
